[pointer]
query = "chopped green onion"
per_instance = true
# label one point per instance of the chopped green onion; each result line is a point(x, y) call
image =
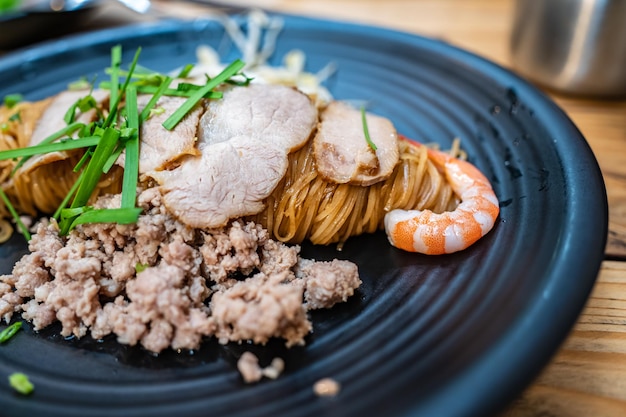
point(93, 171)
point(366, 131)
point(66, 199)
point(112, 158)
point(84, 104)
point(105, 146)
point(8, 5)
point(83, 160)
point(131, 161)
point(141, 73)
point(116, 63)
point(155, 98)
point(10, 331)
point(244, 83)
point(180, 91)
point(66, 131)
point(67, 213)
point(21, 383)
point(79, 85)
point(64, 145)
point(11, 100)
point(156, 112)
point(16, 217)
point(189, 104)
point(104, 140)
point(15, 117)
point(120, 216)
point(187, 89)
point(139, 267)
point(184, 72)
point(114, 104)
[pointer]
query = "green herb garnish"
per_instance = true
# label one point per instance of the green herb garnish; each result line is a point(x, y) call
point(139, 267)
point(11, 100)
point(131, 163)
point(83, 215)
point(182, 90)
point(70, 194)
point(181, 112)
point(78, 85)
point(8, 5)
point(63, 145)
point(157, 111)
point(155, 98)
point(15, 117)
point(16, 217)
point(116, 63)
point(93, 172)
point(65, 132)
point(184, 72)
point(83, 104)
point(21, 383)
point(111, 134)
point(366, 131)
point(10, 331)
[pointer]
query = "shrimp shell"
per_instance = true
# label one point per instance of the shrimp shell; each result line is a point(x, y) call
point(431, 233)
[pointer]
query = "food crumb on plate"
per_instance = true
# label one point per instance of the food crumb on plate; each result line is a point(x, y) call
point(251, 371)
point(275, 368)
point(326, 387)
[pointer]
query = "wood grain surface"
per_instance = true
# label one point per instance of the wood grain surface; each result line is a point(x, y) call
point(587, 377)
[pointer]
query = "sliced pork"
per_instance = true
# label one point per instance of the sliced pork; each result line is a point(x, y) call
point(161, 147)
point(52, 120)
point(230, 179)
point(342, 153)
point(244, 139)
point(275, 114)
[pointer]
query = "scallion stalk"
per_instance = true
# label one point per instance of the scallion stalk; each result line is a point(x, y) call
point(16, 217)
point(120, 216)
point(366, 131)
point(21, 383)
point(116, 63)
point(153, 100)
point(115, 104)
point(68, 197)
point(10, 331)
point(131, 161)
point(65, 145)
point(66, 131)
point(11, 100)
point(189, 104)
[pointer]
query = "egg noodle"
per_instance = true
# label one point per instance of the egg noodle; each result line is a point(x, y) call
point(304, 206)
point(42, 186)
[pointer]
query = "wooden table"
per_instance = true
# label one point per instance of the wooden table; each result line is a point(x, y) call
point(587, 377)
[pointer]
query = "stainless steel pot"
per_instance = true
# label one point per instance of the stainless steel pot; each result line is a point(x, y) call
point(574, 46)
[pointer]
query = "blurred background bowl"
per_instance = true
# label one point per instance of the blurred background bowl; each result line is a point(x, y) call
point(43, 20)
point(572, 46)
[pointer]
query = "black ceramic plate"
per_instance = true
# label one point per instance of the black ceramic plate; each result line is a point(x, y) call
point(453, 335)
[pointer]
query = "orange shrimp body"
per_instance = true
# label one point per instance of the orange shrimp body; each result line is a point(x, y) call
point(434, 234)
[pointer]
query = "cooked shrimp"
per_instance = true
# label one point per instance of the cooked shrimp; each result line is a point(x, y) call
point(434, 234)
